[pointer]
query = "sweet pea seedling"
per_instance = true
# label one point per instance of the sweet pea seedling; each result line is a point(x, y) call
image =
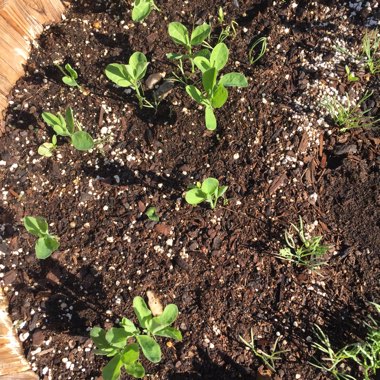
point(123, 343)
point(180, 36)
point(214, 94)
point(131, 75)
point(66, 127)
point(209, 191)
point(70, 75)
point(46, 243)
point(142, 8)
point(151, 214)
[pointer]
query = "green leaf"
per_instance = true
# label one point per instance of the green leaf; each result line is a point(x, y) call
point(174, 56)
point(194, 93)
point(210, 119)
point(70, 120)
point(170, 332)
point(50, 119)
point(72, 73)
point(210, 185)
point(69, 81)
point(209, 79)
point(141, 10)
point(82, 140)
point(150, 348)
point(98, 335)
point(179, 33)
point(117, 337)
point(46, 149)
point(57, 122)
point(202, 63)
point(37, 225)
point(130, 354)
point(139, 64)
point(199, 34)
point(168, 316)
point(112, 370)
point(143, 314)
point(151, 214)
point(54, 140)
point(136, 370)
point(219, 96)
point(219, 56)
point(195, 196)
point(128, 326)
point(45, 246)
point(233, 80)
point(222, 190)
point(203, 53)
point(117, 73)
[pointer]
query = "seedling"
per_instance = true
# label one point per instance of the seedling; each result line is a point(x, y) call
point(307, 253)
point(123, 343)
point(209, 191)
point(142, 8)
point(260, 45)
point(70, 75)
point(351, 77)
point(46, 243)
point(370, 47)
point(348, 116)
point(366, 354)
point(151, 214)
point(268, 359)
point(180, 36)
point(67, 127)
point(131, 75)
point(227, 30)
point(214, 94)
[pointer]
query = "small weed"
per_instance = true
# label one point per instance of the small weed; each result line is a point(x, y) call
point(365, 354)
point(349, 116)
point(116, 342)
point(70, 76)
point(370, 48)
point(180, 36)
point(351, 77)
point(151, 214)
point(268, 359)
point(131, 75)
point(215, 93)
point(142, 8)
point(307, 253)
point(46, 243)
point(67, 127)
point(209, 191)
point(227, 30)
point(260, 43)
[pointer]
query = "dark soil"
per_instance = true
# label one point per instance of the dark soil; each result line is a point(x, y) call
point(218, 266)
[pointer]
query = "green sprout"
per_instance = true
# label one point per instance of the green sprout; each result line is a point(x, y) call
point(180, 36)
point(131, 75)
point(226, 30)
point(67, 127)
point(46, 243)
point(70, 75)
point(268, 359)
point(260, 43)
point(366, 354)
point(307, 253)
point(214, 94)
point(123, 343)
point(351, 77)
point(151, 214)
point(349, 116)
point(370, 48)
point(209, 191)
point(142, 8)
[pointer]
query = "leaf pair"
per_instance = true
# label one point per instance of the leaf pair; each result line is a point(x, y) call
point(142, 9)
point(180, 35)
point(209, 191)
point(215, 93)
point(70, 75)
point(66, 127)
point(46, 243)
point(114, 342)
